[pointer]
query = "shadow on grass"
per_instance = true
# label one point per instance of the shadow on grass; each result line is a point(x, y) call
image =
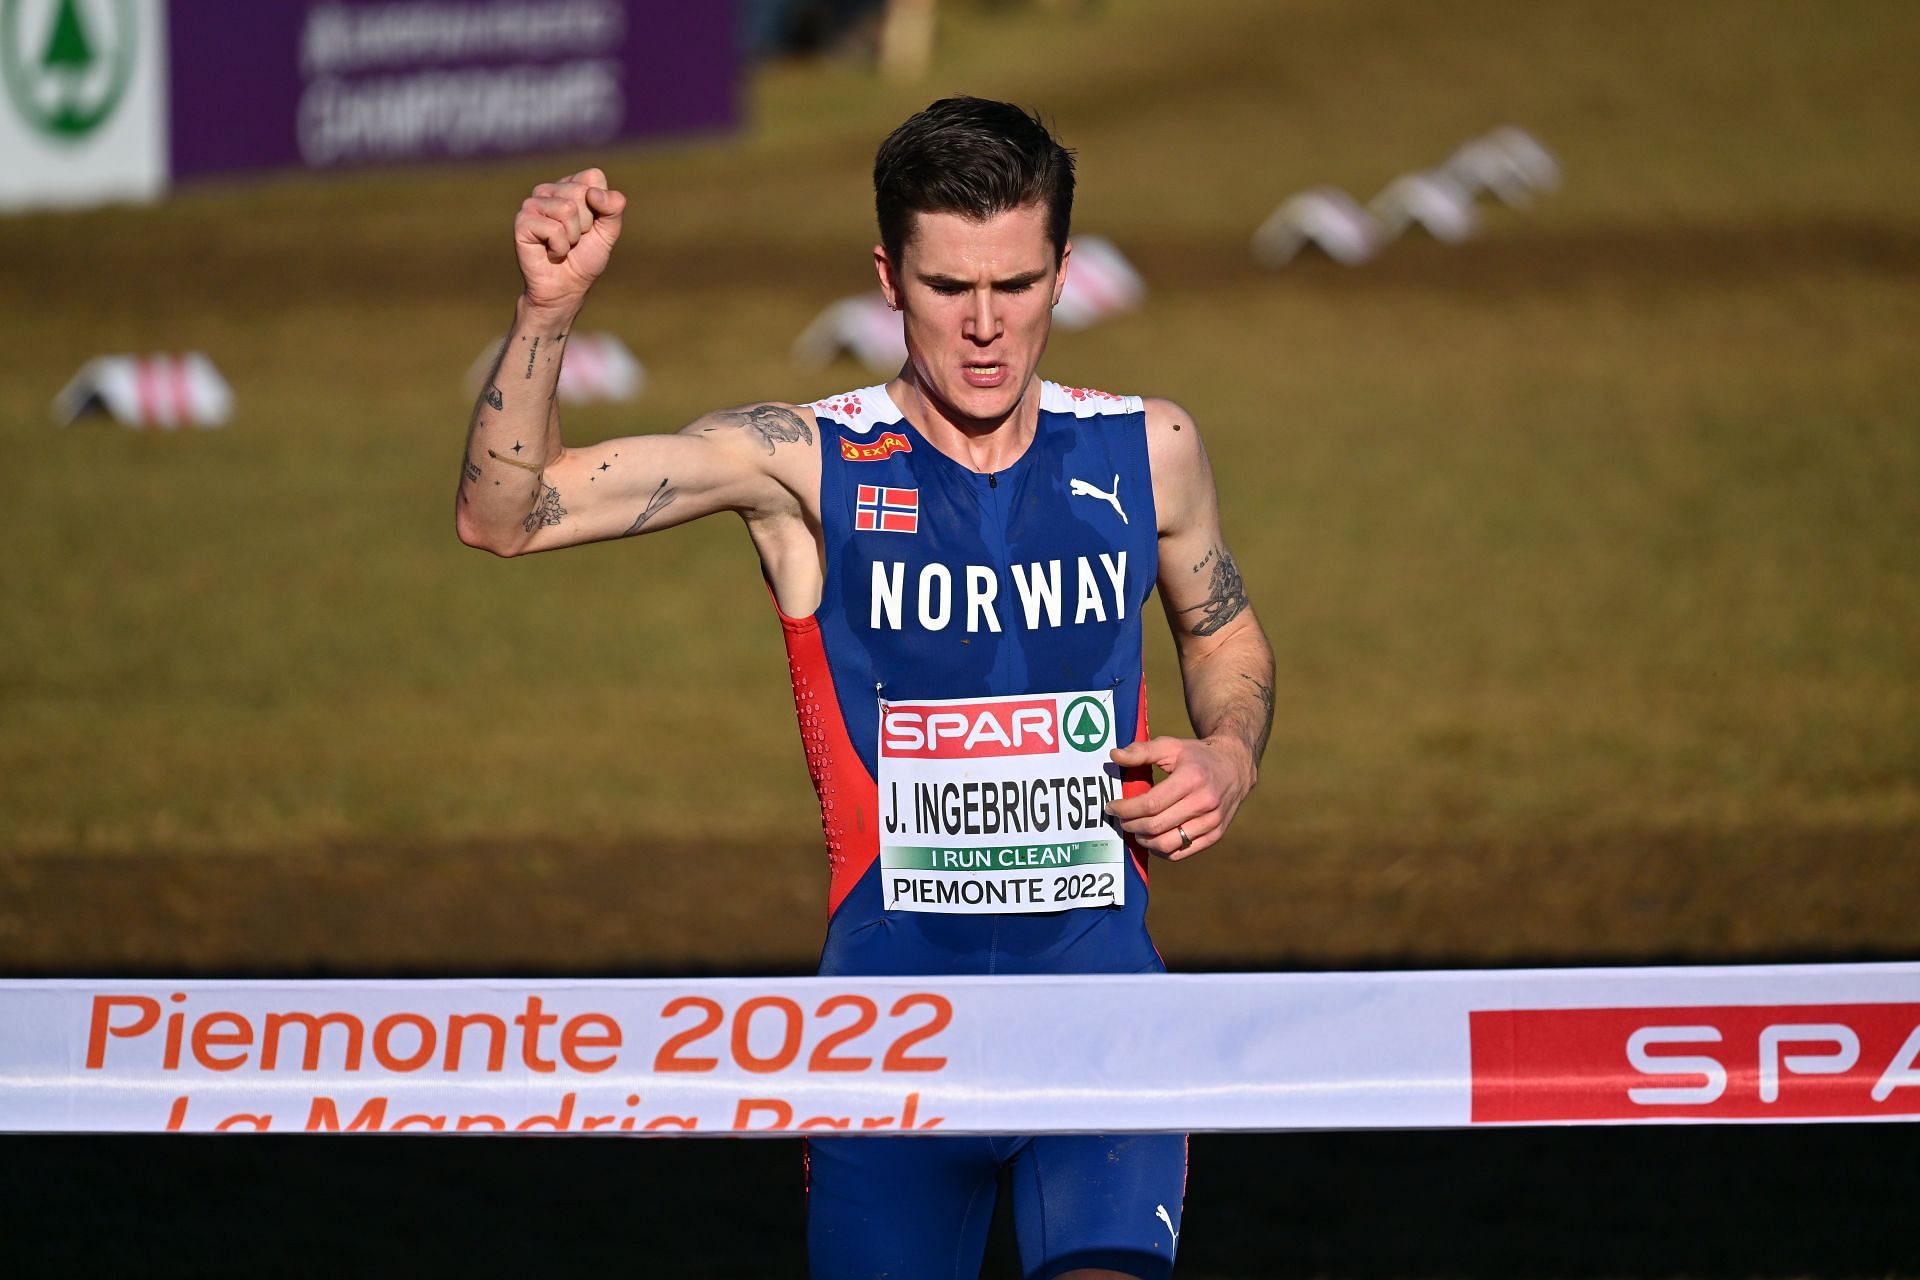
point(1727, 1201)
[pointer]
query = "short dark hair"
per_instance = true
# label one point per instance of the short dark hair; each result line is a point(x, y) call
point(974, 157)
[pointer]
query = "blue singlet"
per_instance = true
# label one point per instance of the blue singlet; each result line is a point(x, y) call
point(1015, 599)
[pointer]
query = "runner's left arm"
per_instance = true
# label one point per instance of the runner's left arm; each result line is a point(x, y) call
point(1226, 664)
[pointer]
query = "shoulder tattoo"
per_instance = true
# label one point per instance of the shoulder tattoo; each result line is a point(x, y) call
point(773, 424)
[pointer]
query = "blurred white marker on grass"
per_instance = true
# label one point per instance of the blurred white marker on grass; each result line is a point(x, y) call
point(1325, 218)
point(1509, 162)
point(863, 325)
point(163, 390)
point(1100, 283)
point(1433, 201)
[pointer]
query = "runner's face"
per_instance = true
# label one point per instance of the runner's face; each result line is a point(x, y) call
point(977, 299)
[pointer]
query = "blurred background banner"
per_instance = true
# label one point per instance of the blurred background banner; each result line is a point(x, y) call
point(113, 99)
point(83, 116)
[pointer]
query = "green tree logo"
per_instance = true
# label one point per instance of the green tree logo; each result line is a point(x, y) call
point(67, 63)
point(1088, 726)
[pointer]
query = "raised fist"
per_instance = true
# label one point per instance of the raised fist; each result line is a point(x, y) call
point(564, 237)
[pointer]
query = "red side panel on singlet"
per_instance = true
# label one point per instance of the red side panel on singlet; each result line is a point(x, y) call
point(839, 776)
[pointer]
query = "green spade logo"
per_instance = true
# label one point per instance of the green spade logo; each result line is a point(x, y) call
point(1087, 724)
point(67, 63)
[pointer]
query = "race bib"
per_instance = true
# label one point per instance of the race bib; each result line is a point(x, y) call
point(996, 804)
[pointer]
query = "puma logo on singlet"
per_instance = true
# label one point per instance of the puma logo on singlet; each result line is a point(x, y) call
point(1081, 489)
point(1160, 1211)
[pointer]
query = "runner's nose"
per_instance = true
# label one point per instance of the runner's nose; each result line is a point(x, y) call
point(984, 322)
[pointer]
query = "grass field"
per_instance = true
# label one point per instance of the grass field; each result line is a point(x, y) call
point(1590, 550)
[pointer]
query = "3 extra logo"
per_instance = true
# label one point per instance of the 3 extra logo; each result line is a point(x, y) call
point(877, 450)
point(66, 64)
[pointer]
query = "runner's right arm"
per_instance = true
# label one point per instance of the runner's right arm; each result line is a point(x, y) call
point(523, 490)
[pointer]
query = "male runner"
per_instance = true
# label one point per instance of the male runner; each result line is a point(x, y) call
point(959, 558)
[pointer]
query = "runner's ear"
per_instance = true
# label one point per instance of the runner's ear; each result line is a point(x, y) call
point(889, 286)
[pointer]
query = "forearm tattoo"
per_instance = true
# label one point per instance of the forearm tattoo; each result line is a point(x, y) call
point(1266, 722)
point(1226, 594)
point(472, 469)
point(773, 424)
point(1266, 695)
point(662, 499)
point(547, 511)
point(490, 389)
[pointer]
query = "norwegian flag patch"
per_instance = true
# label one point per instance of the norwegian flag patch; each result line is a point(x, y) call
point(881, 508)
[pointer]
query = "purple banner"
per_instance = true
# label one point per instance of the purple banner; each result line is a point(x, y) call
point(335, 83)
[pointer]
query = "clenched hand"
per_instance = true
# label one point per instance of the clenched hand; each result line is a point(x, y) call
point(564, 236)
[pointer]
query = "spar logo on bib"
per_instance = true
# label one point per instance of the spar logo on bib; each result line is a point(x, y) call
point(1087, 724)
point(966, 730)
